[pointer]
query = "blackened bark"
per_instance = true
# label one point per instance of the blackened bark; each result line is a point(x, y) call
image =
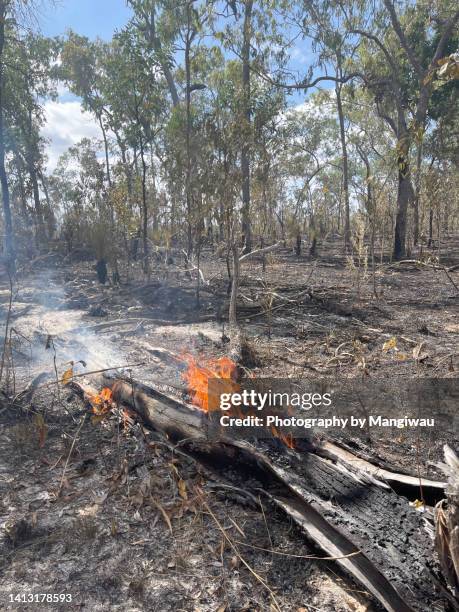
point(101, 270)
point(38, 207)
point(48, 213)
point(417, 195)
point(431, 216)
point(404, 197)
point(41, 236)
point(298, 244)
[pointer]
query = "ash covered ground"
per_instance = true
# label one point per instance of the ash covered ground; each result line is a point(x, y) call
point(125, 522)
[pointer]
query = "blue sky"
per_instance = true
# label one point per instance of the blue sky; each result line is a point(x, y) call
point(66, 122)
point(91, 18)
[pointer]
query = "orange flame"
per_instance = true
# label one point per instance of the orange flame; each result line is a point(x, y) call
point(224, 370)
point(102, 403)
point(286, 439)
point(197, 378)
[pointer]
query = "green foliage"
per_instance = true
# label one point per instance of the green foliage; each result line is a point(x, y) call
point(169, 159)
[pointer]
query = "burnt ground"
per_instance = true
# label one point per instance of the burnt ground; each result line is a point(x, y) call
point(129, 526)
point(127, 523)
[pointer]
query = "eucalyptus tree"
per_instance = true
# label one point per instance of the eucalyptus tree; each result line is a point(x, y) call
point(6, 34)
point(168, 31)
point(322, 22)
point(82, 69)
point(20, 87)
point(141, 112)
point(77, 189)
point(248, 29)
point(312, 138)
point(400, 48)
point(32, 83)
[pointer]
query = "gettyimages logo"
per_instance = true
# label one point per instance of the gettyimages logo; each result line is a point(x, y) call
point(253, 399)
point(267, 408)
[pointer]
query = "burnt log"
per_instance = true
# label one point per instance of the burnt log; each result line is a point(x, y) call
point(350, 513)
point(101, 270)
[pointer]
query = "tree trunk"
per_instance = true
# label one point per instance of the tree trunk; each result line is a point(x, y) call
point(234, 286)
point(153, 196)
point(144, 209)
point(22, 193)
point(155, 44)
point(342, 131)
point(365, 533)
point(41, 231)
point(417, 194)
point(41, 237)
point(404, 196)
point(107, 160)
point(9, 237)
point(298, 244)
point(189, 199)
point(245, 152)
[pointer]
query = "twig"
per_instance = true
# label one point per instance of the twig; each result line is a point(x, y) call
point(262, 251)
point(129, 365)
point(69, 455)
point(238, 554)
point(266, 522)
point(284, 554)
point(55, 368)
point(448, 275)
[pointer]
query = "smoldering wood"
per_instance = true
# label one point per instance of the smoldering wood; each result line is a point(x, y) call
point(341, 507)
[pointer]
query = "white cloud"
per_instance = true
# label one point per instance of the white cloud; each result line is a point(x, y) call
point(301, 56)
point(66, 124)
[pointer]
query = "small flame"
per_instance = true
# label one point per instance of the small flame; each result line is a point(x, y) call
point(286, 439)
point(102, 403)
point(197, 378)
point(224, 370)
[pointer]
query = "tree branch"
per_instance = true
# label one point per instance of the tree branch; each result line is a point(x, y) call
point(443, 39)
point(402, 38)
point(262, 251)
point(383, 48)
point(305, 84)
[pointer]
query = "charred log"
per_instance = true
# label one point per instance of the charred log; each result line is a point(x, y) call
point(350, 513)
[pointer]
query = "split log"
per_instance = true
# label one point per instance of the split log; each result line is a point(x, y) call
point(373, 533)
point(338, 454)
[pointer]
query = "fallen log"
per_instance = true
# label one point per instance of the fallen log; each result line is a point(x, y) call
point(373, 533)
point(160, 353)
point(98, 327)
